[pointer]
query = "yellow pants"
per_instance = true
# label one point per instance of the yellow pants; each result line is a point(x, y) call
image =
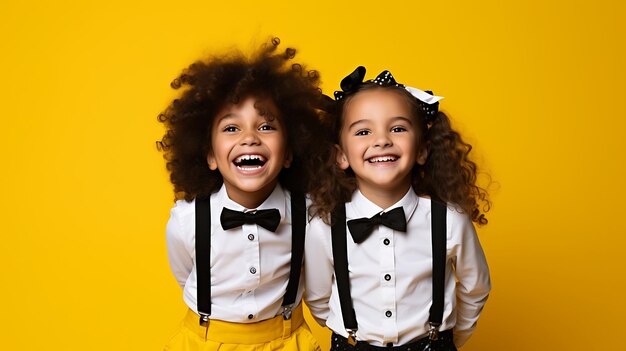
point(274, 334)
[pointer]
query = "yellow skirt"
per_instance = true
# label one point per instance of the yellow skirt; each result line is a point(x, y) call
point(269, 335)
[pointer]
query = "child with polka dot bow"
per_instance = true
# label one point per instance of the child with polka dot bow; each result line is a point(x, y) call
point(403, 268)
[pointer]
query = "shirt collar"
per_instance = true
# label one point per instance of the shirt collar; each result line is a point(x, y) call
point(277, 200)
point(363, 207)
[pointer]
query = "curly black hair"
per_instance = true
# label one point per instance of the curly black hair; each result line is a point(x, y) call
point(210, 85)
point(449, 174)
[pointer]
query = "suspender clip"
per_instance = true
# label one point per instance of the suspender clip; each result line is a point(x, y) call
point(351, 336)
point(204, 319)
point(287, 312)
point(433, 331)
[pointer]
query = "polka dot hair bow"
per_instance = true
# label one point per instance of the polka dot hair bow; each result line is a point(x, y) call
point(350, 84)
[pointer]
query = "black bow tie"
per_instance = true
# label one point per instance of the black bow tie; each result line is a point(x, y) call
point(268, 219)
point(361, 228)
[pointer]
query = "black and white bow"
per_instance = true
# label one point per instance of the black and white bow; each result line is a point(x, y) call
point(351, 83)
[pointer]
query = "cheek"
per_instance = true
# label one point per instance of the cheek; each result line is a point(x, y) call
point(344, 141)
point(349, 149)
point(353, 151)
point(215, 141)
point(279, 146)
point(220, 149)
point(352, 147)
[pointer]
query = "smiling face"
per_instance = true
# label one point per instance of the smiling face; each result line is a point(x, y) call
point(249, 148)
point(379, 142)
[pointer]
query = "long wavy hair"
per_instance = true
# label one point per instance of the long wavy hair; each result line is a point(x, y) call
point(209, 85)
point(448, 175)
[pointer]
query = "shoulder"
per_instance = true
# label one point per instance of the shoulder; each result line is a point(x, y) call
point(456, 214)
point(459, 225)
point(316, 221)
point(318, 239)
point(182, 220)
point(317, 229)
point(457, 221)
point(182, 208)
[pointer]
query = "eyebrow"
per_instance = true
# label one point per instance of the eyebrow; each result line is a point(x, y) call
point(409, 120)
point(226, 116)
point(393, 119)
point(356, 122)
point(268, 117)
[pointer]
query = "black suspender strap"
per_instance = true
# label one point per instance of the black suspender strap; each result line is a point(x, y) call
point(340, 257)
point(298, 223)
point(438, 219)
point(203, 255)
point(203, 258)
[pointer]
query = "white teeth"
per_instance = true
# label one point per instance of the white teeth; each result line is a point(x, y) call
point(382, 159)
point(249, 157)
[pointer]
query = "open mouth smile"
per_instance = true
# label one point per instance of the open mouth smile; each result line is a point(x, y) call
point(249, 162)
point(382, 159)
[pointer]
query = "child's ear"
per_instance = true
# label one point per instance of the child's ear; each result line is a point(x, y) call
point(210, 160)
point(422, 156)
point(288, 159)
point(342, 160)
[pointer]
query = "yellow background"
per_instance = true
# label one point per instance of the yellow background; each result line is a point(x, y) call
point(537, 87)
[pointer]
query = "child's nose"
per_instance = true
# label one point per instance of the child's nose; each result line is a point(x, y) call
point(382, 140)
point(250, 138)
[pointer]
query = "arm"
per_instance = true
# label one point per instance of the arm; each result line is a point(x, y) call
point(318, 269)
point(180, 258)
point(473, 282)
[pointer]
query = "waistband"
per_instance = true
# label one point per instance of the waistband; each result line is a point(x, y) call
point(342, 343)
point(245, 333)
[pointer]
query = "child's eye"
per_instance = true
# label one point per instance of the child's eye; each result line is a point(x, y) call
point(229, 129)
point(398, 129)
point(267, 127)
point(362, 132)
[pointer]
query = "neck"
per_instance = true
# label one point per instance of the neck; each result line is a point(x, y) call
point(384, 198)
point(249, 200)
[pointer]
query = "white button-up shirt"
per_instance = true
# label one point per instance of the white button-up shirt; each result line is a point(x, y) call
point(249, 264)
point(391, 275)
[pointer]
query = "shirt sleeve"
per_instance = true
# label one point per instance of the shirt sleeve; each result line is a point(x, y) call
point(473, 282)
point(180, 259)
point(318, 270)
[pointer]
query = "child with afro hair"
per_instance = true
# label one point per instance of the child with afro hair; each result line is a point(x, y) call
point(243, 145)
